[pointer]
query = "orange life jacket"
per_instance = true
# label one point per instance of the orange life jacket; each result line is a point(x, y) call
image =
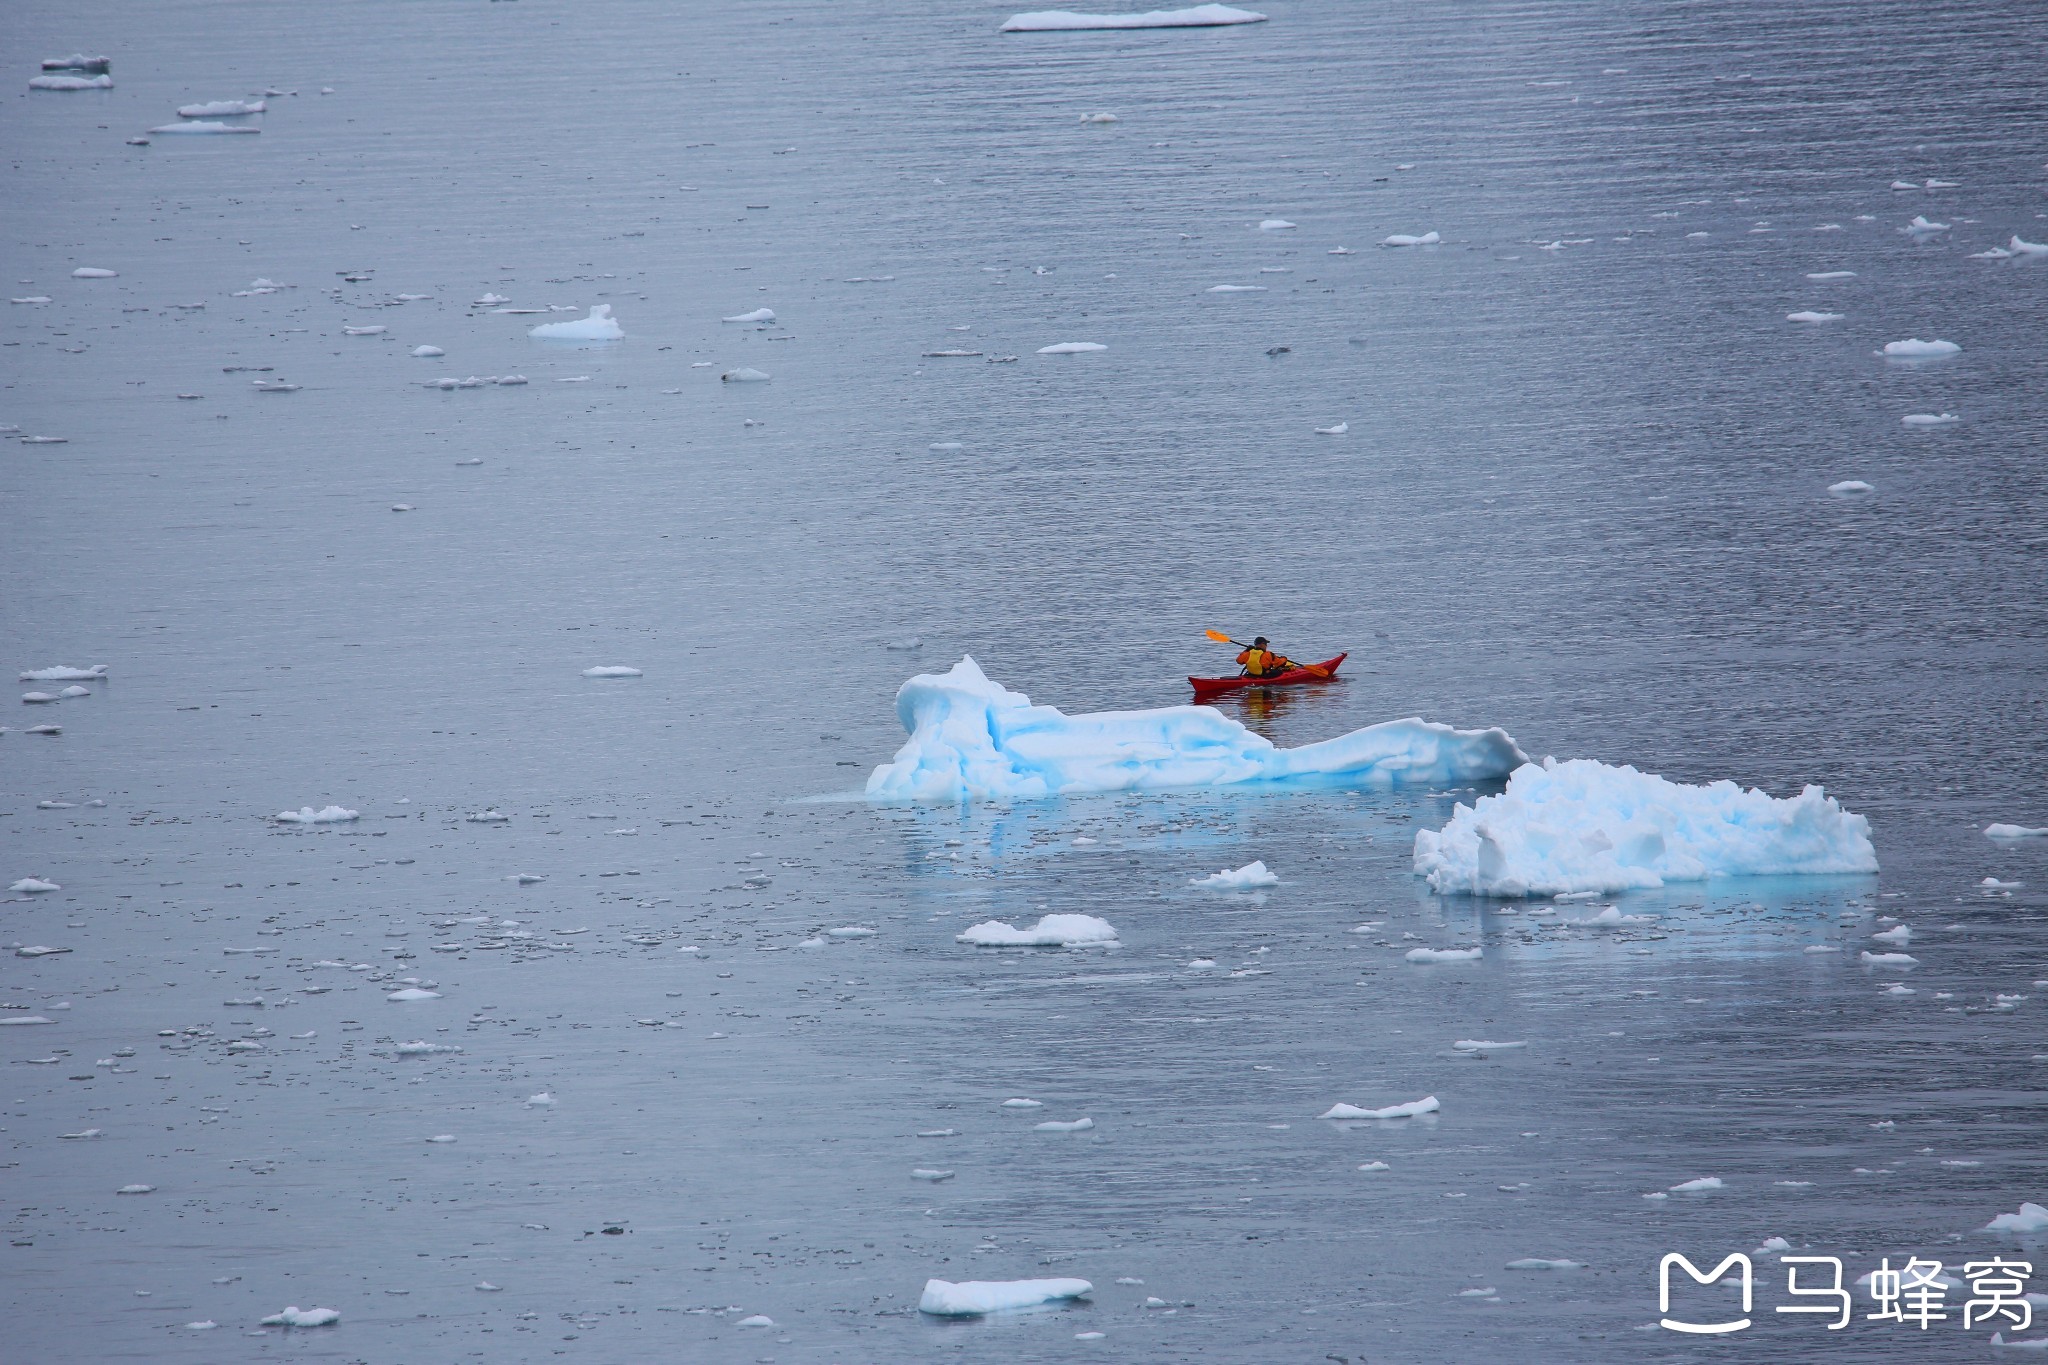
point(1258, 662)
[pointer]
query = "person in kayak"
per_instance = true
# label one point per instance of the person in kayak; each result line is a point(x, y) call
point(1261, 662)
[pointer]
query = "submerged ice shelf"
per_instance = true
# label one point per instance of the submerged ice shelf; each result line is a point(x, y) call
point(971, 738)
point(1586, 826)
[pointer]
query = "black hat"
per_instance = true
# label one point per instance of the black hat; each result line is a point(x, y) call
point(1259, 642)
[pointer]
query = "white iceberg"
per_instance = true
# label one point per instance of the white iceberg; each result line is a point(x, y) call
point(1426, 1105)
point(611, 671)
point(1586, 826)
point(758, 315)
point(1808, 315)
point(1246, 878)
point(1051, 931)
point(1407, 239)
point(971, 738)
point(2030, 1218)
point(306, 815)
point(207, 126)
point(1913, 348)
point(2014, 832)
point(302, 1317)
point(99, 82)
point(29, 886)
point(1426, 955)
point(221, 108)
point(1199, 16)
point(943, 1298)
point(1930, 419)
point(599, 326)
point(1072, 348)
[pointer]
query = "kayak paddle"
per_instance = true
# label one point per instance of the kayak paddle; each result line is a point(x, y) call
point(1313, 670)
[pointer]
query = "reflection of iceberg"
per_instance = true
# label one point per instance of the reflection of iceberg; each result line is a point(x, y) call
point(1585, 826)
point(599, 326)
point(972, 738)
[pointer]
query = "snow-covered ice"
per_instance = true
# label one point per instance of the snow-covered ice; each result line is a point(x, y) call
point(1410, 239)
point(1811, 316)
point(61, 673)
point(412, 993)
point(745, 374)
point(1581, 825)
point(1072, 348)
point(943, 1298)
point(971, 738)
point(206, 126)
point(1930, 419)
point(99, 82)
point(93, 272)
point(1051, 931)
point(1913, 348)
point(1274, 225)
point(1337, 430)
point(1246, 878)
point(1699, 1186)
point(1832, 275)
point(2030, 1218)
point(222, 108)
point(758, 315)
point(1237, 289)
point(1483, 1045)
point(1427, 955)
point(1426, 1105)
point(1922, 224)
point(2015, 832)
point(611, 671)
point(1080, 1125)
point(306, 815)
point(599, 326)
point(1871, 959)
point(1849, 488)
point(295, 1316)
point(1197, 16)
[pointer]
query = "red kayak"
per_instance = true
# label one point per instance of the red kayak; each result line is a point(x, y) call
point(1206, 688)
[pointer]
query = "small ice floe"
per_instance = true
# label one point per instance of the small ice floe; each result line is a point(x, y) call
point(1871, 959)
point(1538, 1263)
point(1922, 225)
point(508, 381)
point(1051, 931)
point(758, 315)
point(1199, 16)
point(488, 817)
point(1274, 225)
point(274, 386)
point(75, 692)
point(1832, 275)
point(44, 730)
point(38, 950)
point(1900, 936)
point(14, 1019)
point(93, 272)
point(953, 353)
point(944, 1299)
point(375, 330)
point(927, 1173)
point(1236, 289)
point(302, 1317)
point(1808, 315)
point(756, 1320)
point(1930, 419)
point(1202, 964)
point(1249, 877)
point(60, 673)
point(1072, 348)
point(1023, 1104)
point(1080, 1125)
point(1772, 1244)
point(83, 1133)
point(33, 886)
point(2014, 832)
point(1375, 1166)
point(599, 326)
point(136, 1189)
point(2030, 1218)
point(544, 1100)
point(207, 127)
point(1992, 884)
point(1699, 1186)
point(222, 108)
point(745, 374)
point(525, 878)
point(1098, 118)
point(611, 671)
point(78, 61)
point(423, 1048)
point(1913, 348)
point(850, 931)
point(1445, 954)
point(99, 82)
point(1426, 1105)
point(306, 815)
point(1850, 488)
point(1409, 239)
point(1483, 1045)
point(1340, 251)
point(411, 993)
point(38, 698)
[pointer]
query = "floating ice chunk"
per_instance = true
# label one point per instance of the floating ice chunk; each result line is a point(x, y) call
point(60, 673)
point(1201, 964)
point(274, 386)
point(2021, 247)
point(1611, 917)
point(85, 1133)
point(1930, 419)
point(1871, 959)
point(99, 82)
point(93, 272)
point(1581, 825)
point(599, 326)
point(1426, 1105)
point(488, 817)
point(1246, 878)
point(1832, 275)
point(1199, 16)
point(1699, 1186)
point(2014, 832)
point(944, 1299)
point(1904, 185)
point(211, 127)
point(38, 698)
point(509, 381)
point(1051, 931)
point(1810, 316)
point(32, 885)
point(1375, 1166)
point(411, 993)
point(136, 1189)
point(1772, 1244)
point(423, 1049)
point(38, 950)
point(851, 931)
point(1851, 488)
point(1072, 348)
point(745, 374)
point(377, 329)
point(611, 671)
point(1481, 1045)
point(1921, 223)
point(758, 315)
point(1236, 289)
point(952, 353)
point(1902, 935)
point(221, 108)
point(970, 738)
point(1023, 1104)
point(1993, 884)
point(23, 1019)
point(1538, 1263)
point(78, 61)
point(306, 815)
point(1408, 239)
point(927, 1173)
point(75, 691)
point(1427, 955)
point(1913, 348)
point(2030, 1218)
point(544, 1100)
point(44, 730)
point(302, 1317)
point(428, 351)
point(1081, 1125)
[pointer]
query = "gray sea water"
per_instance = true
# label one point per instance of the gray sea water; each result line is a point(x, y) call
point(1583, 496)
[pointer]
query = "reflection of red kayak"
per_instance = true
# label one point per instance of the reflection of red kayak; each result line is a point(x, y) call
point(1206, 688)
